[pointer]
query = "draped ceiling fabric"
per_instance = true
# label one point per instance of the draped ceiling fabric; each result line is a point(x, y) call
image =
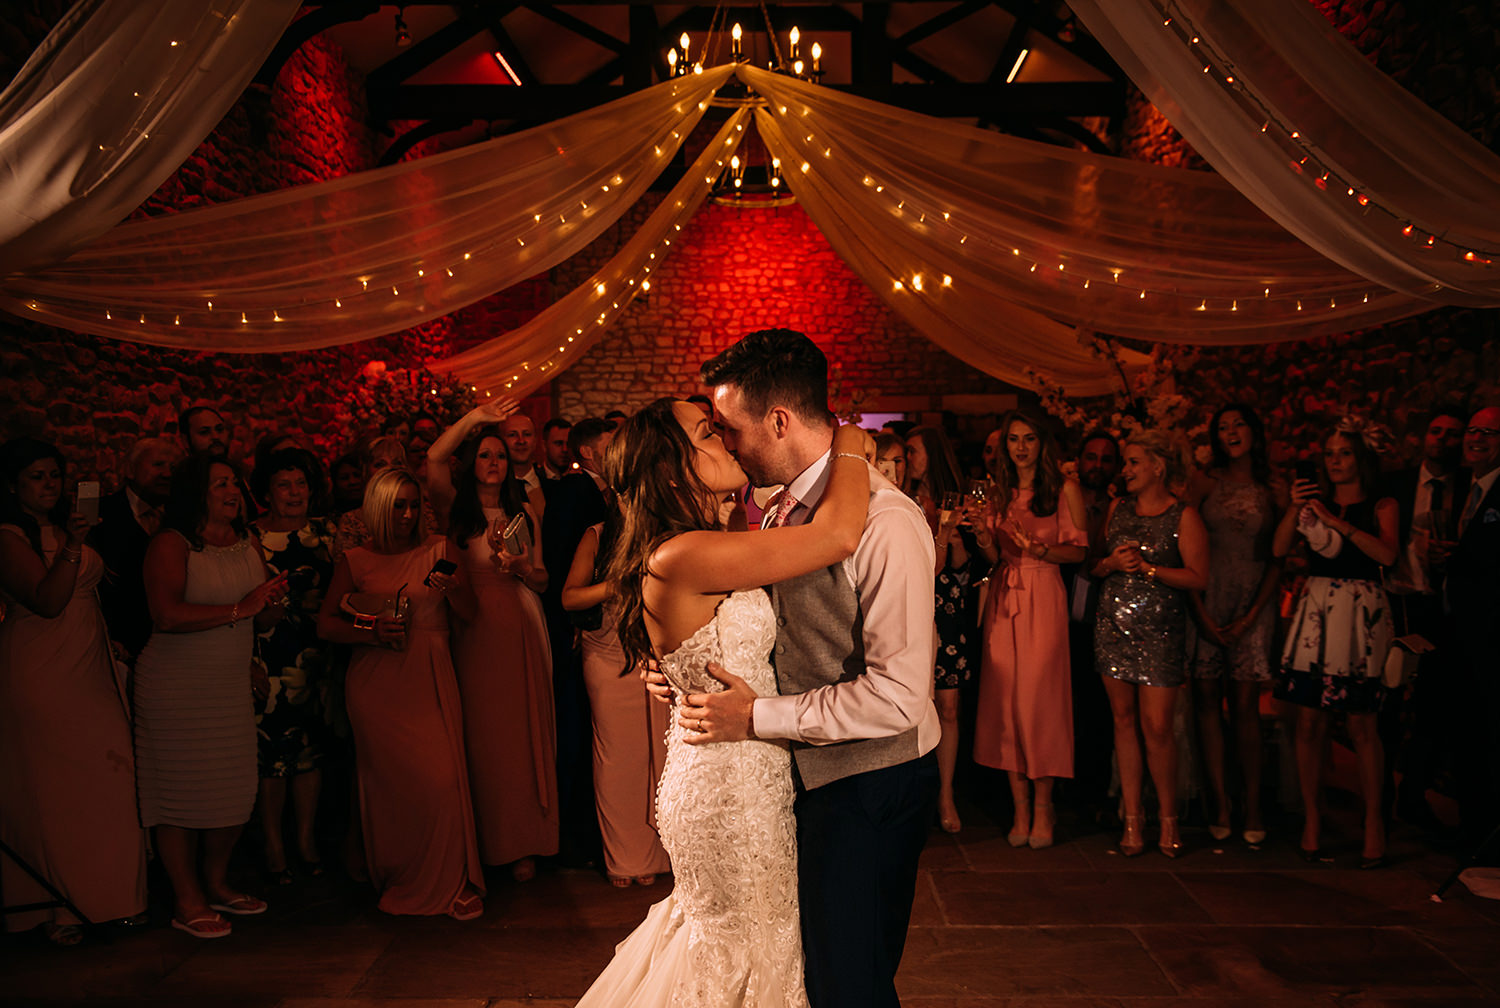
point(541, 346)
point(113, 101)
point(1319, 98)
point(374, 252)
point(1005, 252)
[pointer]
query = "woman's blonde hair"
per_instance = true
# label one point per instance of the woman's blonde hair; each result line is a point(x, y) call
point(1163, 446)
point(380, 507)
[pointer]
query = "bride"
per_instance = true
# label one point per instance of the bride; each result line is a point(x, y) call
point(728, 935)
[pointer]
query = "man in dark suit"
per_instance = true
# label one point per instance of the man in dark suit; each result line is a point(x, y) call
point(1425, 495)
point(128, 518)
point(1472, 590)
point(575, 503)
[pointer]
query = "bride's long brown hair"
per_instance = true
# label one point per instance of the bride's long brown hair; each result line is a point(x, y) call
point(649, 464)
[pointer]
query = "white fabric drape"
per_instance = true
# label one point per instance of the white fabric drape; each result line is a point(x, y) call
point(1035, 235)
point(1293, 73)
point(1006, 253)
point(374, 252)
point(557, 336)
point(112, 102)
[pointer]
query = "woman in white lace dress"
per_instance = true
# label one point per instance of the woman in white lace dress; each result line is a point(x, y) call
point(729, 933)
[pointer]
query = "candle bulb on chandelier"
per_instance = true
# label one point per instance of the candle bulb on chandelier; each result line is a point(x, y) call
point(794, 37)
point(817, 55)
point(735, 35)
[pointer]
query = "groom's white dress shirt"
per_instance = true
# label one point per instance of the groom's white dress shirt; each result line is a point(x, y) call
point(891, 572)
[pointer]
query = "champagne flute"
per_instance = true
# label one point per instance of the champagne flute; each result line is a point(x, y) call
point(977, 497)
point(951, 503)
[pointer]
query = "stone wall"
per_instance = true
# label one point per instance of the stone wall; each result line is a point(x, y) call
point(94, 397)
point(735, 271)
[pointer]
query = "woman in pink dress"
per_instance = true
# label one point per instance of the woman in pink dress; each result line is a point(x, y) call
point(67, 777)
point(404, 707)
point(1025, 720)
point(630, 729)
point(503, 657)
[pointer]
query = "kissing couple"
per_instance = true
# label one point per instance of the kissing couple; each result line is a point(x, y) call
point(799, 780)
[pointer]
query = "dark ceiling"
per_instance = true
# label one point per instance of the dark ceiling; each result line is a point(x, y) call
point(465, 71)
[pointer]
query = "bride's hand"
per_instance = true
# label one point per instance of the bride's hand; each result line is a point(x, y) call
point(719, 717)
point(656, 682)
point(848, 438)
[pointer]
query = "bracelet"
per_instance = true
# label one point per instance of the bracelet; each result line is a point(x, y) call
point(851, 455)
point(1151, 572)
point(234, 614)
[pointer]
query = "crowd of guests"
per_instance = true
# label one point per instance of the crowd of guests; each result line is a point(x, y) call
point(427, 616)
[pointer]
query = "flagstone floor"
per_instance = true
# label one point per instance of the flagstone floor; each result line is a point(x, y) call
point(1076, 925)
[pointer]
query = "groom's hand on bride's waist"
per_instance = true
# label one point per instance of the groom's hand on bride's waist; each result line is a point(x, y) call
point(727, 716)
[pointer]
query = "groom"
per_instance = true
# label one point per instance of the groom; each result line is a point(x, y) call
point(854, 659)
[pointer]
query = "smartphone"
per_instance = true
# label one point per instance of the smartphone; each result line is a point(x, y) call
point(88, 501)
point(443, 566)
point(1306, 470)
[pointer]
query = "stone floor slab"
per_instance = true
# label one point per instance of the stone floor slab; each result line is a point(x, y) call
point(1376, 898)
point(968, 962)
point(523, 962)
point(277, 959)
point(1275, 962)
point(1064, 897)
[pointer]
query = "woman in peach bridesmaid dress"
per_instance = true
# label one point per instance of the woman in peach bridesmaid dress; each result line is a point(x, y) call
point(404, 707)
point(503, 657)
point(67, 776)
point(1025, 720)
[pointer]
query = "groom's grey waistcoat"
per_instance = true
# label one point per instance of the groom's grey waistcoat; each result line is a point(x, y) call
point(819, 641)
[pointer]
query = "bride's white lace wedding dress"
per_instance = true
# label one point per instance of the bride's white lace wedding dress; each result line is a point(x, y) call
point(728, 934)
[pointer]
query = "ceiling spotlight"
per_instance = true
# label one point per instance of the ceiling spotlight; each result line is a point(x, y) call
point(403, 33)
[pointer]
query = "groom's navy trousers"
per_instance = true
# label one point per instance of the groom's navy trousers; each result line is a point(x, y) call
point(858, 842)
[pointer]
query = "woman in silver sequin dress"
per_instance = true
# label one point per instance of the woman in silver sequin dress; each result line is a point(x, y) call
point(1229, 640)
point(1154, 550)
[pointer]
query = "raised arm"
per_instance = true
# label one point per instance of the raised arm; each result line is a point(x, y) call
point(720, 562)
point(27, 579)
point(439, 477)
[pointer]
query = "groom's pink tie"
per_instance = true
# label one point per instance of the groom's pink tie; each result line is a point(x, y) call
point(783, 509)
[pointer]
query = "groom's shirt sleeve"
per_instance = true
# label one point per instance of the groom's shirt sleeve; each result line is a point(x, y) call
point(892, 574)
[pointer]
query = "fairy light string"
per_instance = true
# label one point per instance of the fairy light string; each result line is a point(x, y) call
point(1304, 157)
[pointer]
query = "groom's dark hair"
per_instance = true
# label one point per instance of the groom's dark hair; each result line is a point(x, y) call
point(775, 367)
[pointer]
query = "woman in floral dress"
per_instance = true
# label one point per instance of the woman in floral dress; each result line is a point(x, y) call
point(291, 677)
point(1341, 630)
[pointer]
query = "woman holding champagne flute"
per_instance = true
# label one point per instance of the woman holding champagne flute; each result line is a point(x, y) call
point(1025, 722)
point(503, 658)
point(403, 704)
point(1154, 550)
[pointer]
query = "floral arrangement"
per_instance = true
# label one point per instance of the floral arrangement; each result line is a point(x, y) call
point(378, 393)
point(1147, 399)
point(847, 402)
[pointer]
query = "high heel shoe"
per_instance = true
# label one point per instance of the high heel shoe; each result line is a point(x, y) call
point(1133, 841)
point(1254, 837)
point(1041, 838)
point(1171, 841)
point(1221, 831)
